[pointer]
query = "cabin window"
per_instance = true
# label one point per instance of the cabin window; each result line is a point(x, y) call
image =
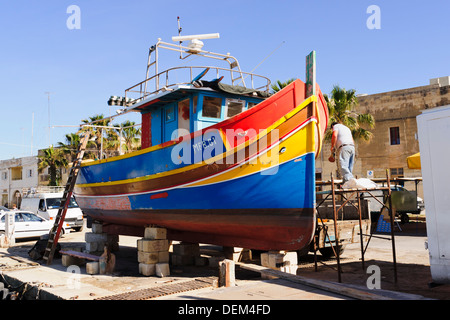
point(194, 104)
point(212, 107)
point(183, 117)
point(170, 114)
point(251, 105)
point(234, 107)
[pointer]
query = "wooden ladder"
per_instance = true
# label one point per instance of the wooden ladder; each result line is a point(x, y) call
point(60, 216)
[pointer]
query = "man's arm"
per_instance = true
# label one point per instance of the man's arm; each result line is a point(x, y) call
point(333, 139)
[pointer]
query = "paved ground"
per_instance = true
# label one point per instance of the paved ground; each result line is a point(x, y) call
point(413, 274)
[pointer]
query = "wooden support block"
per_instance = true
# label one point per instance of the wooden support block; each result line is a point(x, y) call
point(147, 269)
point(155, 233)
point(92, 267)
point(69, 261)
point(147, 245)
point(162, 270)
point(227, 273)
point(246, 255)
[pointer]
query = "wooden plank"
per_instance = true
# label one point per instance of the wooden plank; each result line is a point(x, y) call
point(319, 284)
point(81, 255)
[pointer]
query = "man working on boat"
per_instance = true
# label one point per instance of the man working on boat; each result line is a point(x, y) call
point(343, 146)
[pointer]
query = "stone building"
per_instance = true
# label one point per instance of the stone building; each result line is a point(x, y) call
point(16, 176)
point(395, 133)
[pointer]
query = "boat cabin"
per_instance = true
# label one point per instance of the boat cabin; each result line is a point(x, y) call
point(174, 109)
point(185, 110)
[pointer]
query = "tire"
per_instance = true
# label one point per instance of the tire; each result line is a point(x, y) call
point(404, 218)
point(328, 252)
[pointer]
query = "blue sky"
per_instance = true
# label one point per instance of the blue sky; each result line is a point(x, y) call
point(83, 67)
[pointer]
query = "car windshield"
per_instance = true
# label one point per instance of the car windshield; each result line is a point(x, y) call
point(30, 217)
point(55, 203)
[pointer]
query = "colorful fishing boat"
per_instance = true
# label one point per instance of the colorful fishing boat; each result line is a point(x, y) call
point(225, 164)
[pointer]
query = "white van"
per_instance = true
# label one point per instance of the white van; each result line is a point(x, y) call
point(46, 205)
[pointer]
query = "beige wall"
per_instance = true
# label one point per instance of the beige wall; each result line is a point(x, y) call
point(390, 109)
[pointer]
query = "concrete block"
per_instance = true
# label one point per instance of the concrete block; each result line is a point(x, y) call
point(292, 269)
point(186, 249)
point(95, 237)
point(97, 228)
point(69, 261)
point(148, 257)
point(92, 267)
point(92, 247)
point(163, 256)
point(200, 261)
point(147, 269)
point(162, 270)
point(155, 233)
point(147, 245)
point(282, 259)
point(178, 260)
point(214, 261)
point(264, 259)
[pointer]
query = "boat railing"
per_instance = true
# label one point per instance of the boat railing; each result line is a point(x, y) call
point(162, 81)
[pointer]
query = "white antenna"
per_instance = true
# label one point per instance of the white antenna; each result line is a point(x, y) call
point(195, 45)
point(197, 37)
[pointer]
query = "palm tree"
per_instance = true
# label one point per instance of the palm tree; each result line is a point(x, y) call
point(130, 136)
point(71, 146)
point(54, 159)
point(278, 85)
point(97, 133)
point(341, 107)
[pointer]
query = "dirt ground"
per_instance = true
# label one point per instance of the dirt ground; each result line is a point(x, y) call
point(413, 268)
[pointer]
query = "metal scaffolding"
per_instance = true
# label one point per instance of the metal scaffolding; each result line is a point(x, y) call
point(359, 194)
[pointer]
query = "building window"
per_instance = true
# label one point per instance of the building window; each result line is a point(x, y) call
point(397, 172)
point(29, 173)
point(16, 173)
point(394, 135)
point(4, 175)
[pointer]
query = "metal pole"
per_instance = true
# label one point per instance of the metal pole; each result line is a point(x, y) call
point(391, 212)
point(360, 230)
point(101, 145)
point(336, 235)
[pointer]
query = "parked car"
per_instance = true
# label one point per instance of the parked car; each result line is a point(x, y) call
point(46, 206)
point(27, 224)
point(405, 201)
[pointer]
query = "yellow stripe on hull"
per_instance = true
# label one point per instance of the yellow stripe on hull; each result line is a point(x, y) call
point(300, 143)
